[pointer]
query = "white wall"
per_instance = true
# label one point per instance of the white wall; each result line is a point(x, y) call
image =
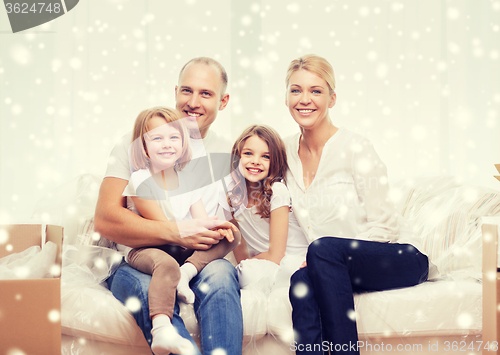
point(420, 78)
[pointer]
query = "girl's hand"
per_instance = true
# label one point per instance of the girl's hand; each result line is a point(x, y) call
point(227, 233)
point(304, 264)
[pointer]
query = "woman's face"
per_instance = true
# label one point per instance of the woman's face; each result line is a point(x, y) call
point(308, 98)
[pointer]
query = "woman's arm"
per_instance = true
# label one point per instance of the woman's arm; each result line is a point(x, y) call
point(278, 234)
point(371, 183)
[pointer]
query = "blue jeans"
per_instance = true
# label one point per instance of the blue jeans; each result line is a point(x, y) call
point(217, 305)
point(321, 294)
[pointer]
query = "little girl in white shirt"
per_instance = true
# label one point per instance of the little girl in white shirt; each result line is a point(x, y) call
point(157, 190)
point(261, 205)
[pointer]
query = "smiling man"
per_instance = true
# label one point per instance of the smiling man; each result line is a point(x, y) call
point(200, 95)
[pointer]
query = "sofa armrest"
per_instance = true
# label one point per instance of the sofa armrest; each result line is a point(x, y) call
point(491, 280)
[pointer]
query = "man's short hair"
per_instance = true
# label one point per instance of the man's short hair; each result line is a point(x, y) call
point(214, 63)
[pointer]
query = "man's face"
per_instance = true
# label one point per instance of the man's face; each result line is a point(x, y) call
point(198, 96)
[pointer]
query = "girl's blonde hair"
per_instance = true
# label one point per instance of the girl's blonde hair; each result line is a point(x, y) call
point(315, 64)
point(277, 168)
point(139, 158)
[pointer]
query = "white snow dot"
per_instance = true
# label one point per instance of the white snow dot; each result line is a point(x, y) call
point(22, 272)
point(364, 11)
point(204, 287)
point(4, 236)
point(9, 247)
point(453, 48)
point(96, 236)
point(246, 20)
point(293, 8)
point(75, 63)
point(305, 42)
point(8, 101)
point(55, 270)
point(245, 62)
point(50, 110)
point(219, 351)
point(419, 133)
point(300, 290)
point(372, 55)
point(453, 13)
point(397, 7)
point(21, 54)
point(358, 77)
point(99, 263)
point(16, 109)
point(15, 351)
point(354, 244)
point(18, 297)
point(54, 316)
point(56, 65)
point(352, 315)
point(133, 304)
point(470, 195)
point(382, 70)
point(364, 166)
point(464, 320)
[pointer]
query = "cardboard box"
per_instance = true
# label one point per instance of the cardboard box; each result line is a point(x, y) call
point(30, 309)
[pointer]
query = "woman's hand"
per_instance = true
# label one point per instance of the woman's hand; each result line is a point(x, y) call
point(304, 264)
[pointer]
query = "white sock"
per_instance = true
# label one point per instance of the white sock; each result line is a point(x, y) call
point(184, 293)
point(166, 340)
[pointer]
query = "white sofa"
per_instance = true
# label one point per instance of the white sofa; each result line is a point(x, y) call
point(445, 213)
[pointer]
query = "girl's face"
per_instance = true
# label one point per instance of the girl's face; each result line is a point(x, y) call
point(308, 99)
point(163, 143)
point(254, 160)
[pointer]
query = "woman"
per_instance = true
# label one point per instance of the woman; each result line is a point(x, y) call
point(339, 188)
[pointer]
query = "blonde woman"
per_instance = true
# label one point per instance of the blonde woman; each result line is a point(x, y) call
point(339, 190)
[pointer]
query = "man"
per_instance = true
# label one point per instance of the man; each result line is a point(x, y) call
point(200, 95)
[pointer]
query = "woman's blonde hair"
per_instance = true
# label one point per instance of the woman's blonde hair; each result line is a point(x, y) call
point(277, 168)
point(315, 64)
point(139, 157)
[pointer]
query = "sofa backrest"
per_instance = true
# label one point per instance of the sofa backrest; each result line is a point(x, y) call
point(445, 213)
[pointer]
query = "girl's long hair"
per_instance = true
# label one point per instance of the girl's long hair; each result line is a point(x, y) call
point(277, 169)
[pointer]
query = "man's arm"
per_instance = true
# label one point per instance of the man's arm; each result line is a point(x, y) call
point(122, 226)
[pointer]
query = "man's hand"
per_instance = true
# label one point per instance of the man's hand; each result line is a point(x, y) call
point(201, 234)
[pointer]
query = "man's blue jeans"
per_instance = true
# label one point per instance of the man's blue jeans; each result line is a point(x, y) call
point(321, 294)
point(217, 305)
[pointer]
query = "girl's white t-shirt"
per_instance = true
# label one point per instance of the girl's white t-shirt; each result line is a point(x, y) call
point(255, 229)
point(175, 204)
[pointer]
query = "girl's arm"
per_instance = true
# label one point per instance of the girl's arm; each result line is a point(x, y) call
point(149, 209)
point(278, 234)
point(198, 211)
point(241, 251)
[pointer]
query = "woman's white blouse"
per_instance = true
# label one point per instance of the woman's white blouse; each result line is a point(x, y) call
point(348, 196)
